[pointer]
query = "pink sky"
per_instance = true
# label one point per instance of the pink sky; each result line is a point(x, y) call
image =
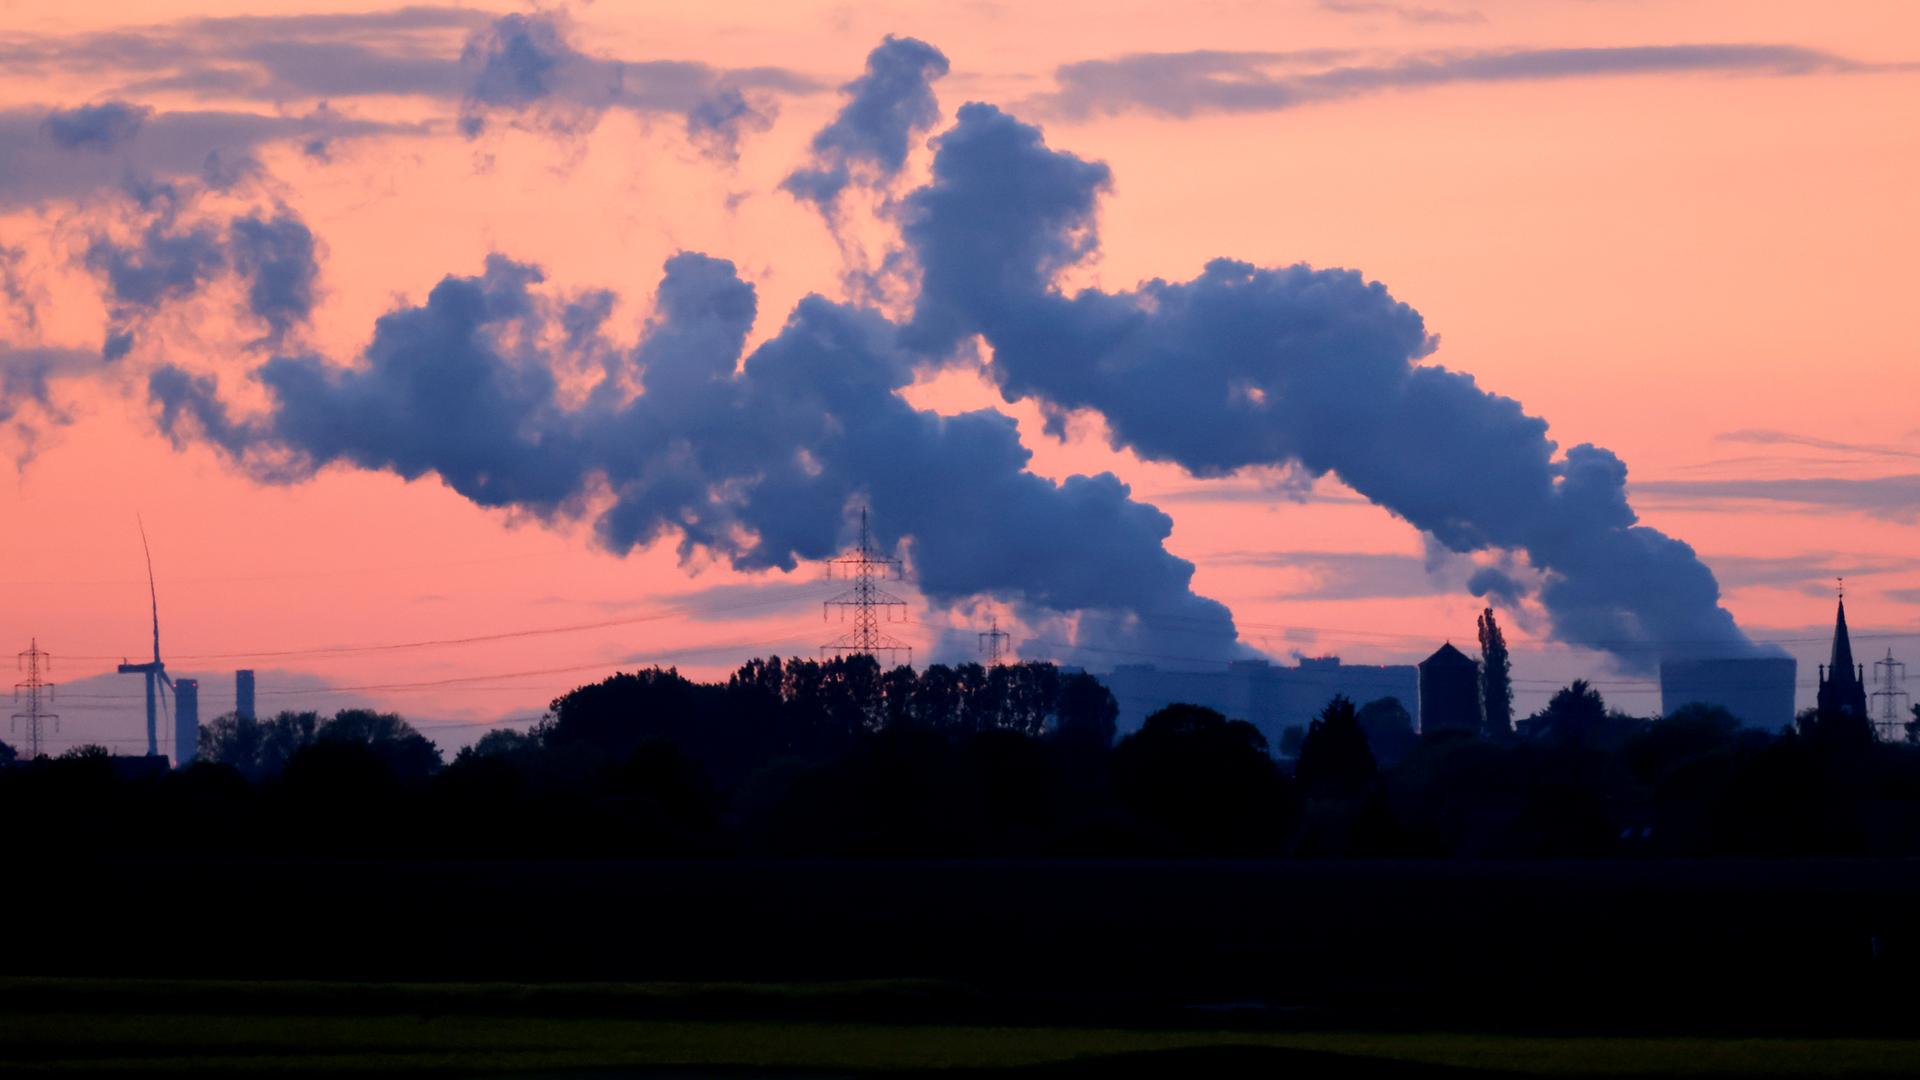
point(1708, 271)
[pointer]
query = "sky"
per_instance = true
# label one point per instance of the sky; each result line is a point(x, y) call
point(254, 263)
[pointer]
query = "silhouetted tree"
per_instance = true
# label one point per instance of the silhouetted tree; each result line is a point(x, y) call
point(1334, 757)
point(258, 748)
point(1086, 715)
point(1290, 738)
point(1389, 730)
point(408, 755)
point(1575, 712)
point(1204, 781)
point(1496, 678)
point(1913, 727)
point(8, 755)
point(502, 743)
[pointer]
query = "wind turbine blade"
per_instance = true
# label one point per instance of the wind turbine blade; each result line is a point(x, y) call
point(153, 594)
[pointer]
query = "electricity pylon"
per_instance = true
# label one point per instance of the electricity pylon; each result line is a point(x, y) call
point(993, 642)
point(33, 662)
point(866, 604)
point(1889, 674)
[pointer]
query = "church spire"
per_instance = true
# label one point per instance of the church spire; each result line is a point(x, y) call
point(1840, 665)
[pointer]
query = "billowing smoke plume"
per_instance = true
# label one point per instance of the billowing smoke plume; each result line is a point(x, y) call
point(176, 250)
point(1246, 366)
point(869, 140)
point(757, 463)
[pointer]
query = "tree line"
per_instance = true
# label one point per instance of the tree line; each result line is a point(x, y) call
point(844, 758)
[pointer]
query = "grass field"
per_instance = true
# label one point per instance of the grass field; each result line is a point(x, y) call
point(481, 1029)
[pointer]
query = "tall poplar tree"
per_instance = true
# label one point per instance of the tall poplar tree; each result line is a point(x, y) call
point(1496, 678)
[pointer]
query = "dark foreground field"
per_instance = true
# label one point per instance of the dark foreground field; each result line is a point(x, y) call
point(1065, 968)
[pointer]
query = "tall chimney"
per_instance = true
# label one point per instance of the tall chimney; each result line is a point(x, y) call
point(243, 693)
point(186, 721)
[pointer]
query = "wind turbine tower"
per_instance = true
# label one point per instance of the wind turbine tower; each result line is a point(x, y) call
point(156, 672)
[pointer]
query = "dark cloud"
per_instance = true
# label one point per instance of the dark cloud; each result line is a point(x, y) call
point(1345, 575)
point(717, 122)
point(1768, 437)
point(26, 372)
point(276, 257)
point(1185, 83)
point(887, 106)
point(23, 299)
point(1410, 13)
point(168, 145)
point(519, 67)
point(165, 263)
point(27, 401)
point(526, 68)
point(1892, 498)
point(175, 251)
point(271, 59)
point(95, 127)
point(757, 461)
point(1247, 366)
point(1818, 568)
point(1354, 575)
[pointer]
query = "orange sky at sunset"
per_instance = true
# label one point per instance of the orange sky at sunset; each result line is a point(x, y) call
point(1705, 266)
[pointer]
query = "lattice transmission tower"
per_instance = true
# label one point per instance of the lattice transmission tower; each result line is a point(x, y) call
point(1888, 676)
point(865, 603)
point(993, 642)
point(34, 663)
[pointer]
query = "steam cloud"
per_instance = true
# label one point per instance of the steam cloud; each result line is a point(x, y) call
point(758, 464)
point(886, 107)
point(1247, 366)
point(175, 254)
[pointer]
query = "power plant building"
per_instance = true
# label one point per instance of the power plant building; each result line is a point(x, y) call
point(243, 694)
point(1269, 696)
point(1449, 692)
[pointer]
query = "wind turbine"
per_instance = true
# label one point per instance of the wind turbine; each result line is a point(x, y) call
point(156, 672)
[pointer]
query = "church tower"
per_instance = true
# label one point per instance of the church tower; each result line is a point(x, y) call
point(1843, 684)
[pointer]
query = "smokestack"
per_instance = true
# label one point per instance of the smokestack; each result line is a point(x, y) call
point(186, 721)
point(243, 693)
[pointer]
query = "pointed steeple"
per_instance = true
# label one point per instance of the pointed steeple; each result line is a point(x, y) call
point(1842, 689)
point(1840, 665)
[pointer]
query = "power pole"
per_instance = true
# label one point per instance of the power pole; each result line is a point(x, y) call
point(1890, 674)
point(993, 642)
point(866, 603)
point(33, 662)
